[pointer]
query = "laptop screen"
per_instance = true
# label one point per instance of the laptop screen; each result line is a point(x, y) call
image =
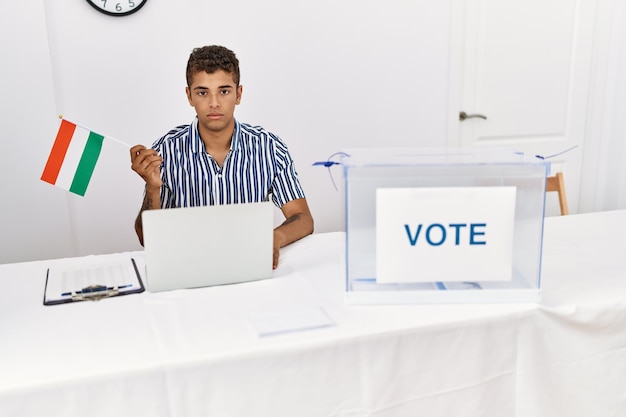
point(208, 245)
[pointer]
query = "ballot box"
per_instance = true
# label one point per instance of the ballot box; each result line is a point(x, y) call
point(450, 225)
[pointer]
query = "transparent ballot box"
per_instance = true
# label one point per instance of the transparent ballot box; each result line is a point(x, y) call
point(443, 226)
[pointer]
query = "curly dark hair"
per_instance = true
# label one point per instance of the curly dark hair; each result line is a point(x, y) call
point(210, 59)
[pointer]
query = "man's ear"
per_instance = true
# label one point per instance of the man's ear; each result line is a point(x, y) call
point(239, 93)
point(188, 93)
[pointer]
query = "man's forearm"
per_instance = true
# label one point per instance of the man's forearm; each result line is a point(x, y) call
point(151, 201)
point(294, 228)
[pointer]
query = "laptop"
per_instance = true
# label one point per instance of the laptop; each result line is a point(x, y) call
point(209, 245)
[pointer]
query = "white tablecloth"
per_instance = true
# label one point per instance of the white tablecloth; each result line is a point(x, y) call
point(197, 352)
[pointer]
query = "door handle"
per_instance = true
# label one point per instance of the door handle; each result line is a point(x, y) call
point(463, 116)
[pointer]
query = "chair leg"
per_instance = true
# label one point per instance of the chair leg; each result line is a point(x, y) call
point(562, 196)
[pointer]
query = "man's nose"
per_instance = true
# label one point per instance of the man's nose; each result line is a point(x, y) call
point(213, 100)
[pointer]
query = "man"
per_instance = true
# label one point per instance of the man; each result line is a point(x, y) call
point(218, 160)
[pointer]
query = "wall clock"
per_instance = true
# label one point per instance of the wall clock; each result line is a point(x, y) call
point(117, 7)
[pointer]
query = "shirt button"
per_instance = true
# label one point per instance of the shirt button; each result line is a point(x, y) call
point(219, 175)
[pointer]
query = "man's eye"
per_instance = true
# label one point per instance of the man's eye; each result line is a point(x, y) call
point(224, 92)
point(202, 93)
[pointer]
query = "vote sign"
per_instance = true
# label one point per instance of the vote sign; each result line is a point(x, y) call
point(444, 234)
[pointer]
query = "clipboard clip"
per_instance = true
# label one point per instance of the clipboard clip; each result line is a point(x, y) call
point(95, 293)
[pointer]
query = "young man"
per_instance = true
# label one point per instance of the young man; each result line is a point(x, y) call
point(218, 160)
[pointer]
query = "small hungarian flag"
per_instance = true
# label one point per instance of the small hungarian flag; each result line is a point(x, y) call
point(73, 158)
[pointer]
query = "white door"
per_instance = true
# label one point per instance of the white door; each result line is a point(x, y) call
point(525, 67)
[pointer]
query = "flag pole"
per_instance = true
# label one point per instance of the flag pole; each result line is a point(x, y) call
point(107, 137)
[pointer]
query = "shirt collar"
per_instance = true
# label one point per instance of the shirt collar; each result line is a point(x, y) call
point(197, 146)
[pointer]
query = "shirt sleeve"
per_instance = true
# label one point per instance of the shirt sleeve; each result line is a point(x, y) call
point(286, 185)
point(167, 199)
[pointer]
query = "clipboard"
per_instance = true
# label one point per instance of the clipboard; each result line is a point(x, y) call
point(92, 279)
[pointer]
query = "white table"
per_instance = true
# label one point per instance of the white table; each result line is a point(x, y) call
point(195, 352)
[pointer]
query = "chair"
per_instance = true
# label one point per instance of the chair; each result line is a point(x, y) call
point(556, 183)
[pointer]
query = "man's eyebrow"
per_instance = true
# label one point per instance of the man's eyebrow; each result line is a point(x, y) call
point(221, 87)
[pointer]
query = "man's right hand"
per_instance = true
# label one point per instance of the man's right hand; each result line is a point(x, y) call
point(147, 163)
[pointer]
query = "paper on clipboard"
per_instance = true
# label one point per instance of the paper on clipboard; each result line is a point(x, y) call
point(91, 278)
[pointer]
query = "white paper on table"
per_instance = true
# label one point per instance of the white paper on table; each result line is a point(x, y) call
point(288, 319)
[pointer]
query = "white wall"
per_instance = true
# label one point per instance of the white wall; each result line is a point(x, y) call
point(603, 183)
point(323, 75)
point(611, 179)
point(34, 222)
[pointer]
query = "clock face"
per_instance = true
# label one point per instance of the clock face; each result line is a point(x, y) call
point(117, 7)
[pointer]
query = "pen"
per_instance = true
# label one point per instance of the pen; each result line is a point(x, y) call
point(96, 288)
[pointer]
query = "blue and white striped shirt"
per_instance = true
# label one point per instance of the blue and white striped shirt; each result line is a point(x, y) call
point(257, 165)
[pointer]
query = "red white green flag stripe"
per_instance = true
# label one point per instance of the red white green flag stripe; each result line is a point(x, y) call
point(73, 158)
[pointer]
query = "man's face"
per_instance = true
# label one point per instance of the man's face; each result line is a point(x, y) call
point(214, 96)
